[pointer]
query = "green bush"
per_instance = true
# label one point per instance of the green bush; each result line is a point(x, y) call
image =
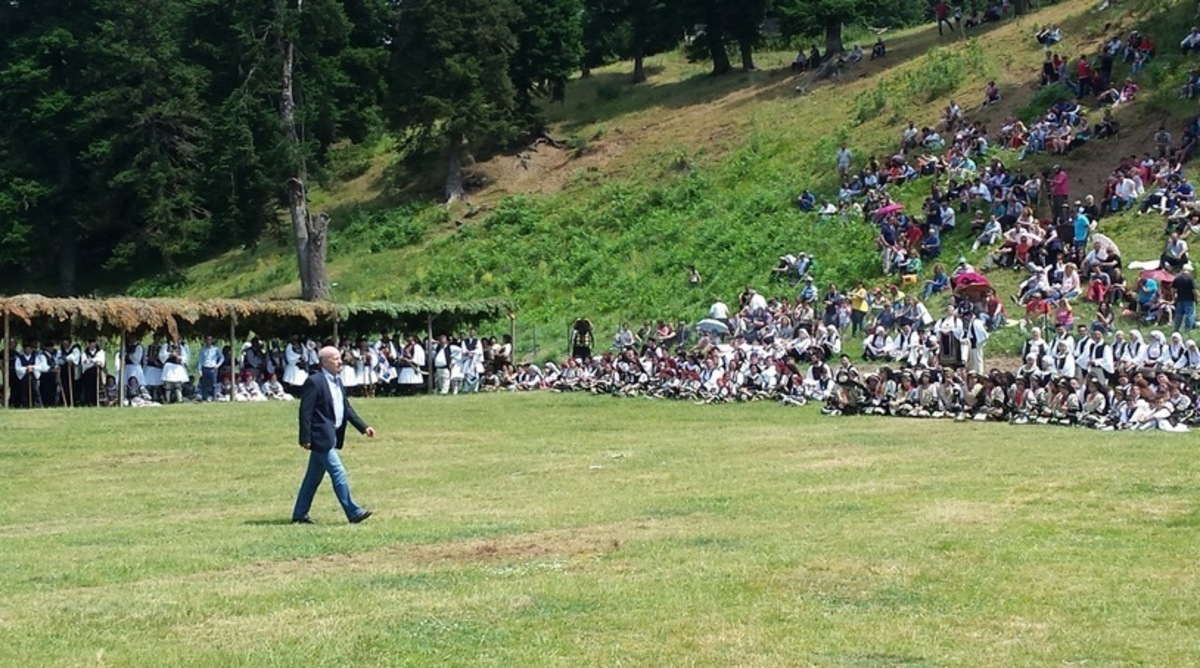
point(375, 231)
point(1045, 98)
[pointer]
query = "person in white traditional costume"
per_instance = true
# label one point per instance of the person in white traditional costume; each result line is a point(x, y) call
point(411, 366)
point(471, 362)
point(135, 357)
point(248, 389)
point(443, 362)
point(350, 360)
point(175, 373)
point(295, 365)
point(152, 368)
point(273, 389)
point(92, 367)
point(976, 338)
point(29, 366)
point(878, 346)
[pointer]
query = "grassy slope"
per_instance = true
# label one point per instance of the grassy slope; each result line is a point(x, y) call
point(739, 535)
point(695, 169)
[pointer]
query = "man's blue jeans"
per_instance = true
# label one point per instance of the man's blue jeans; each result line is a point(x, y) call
point(320, 463)
point(1185, 316)
point(208, 384)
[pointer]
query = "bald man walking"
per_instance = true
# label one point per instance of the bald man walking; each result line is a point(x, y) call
point(324, 412)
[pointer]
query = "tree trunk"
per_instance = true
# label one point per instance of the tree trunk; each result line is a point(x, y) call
point(67, 257)
point(833, 38)
point(716, 48)
point(1021, 7)
point(318, 276)
point(454, 175)
point(639, 65)
point(747, 49)
point(309, 234)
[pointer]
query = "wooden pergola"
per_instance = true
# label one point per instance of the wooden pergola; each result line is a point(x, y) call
point(124, 316)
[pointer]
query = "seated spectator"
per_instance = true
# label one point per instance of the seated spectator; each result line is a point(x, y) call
point(878, 50)
point(806, 201)
point(855, 55)
point(1049, 36)
point(1175, 255)
point(1188, 90)
point(1191, 41)
point(1107, 127)
point(939, 282)
point(991, 95)
point(800, 63)
point(931, 246)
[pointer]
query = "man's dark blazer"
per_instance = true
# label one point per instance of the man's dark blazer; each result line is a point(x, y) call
point(317, 418)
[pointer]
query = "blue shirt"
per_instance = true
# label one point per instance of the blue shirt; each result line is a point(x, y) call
point(211, 357)
point(339, 401)
point(1081, 227)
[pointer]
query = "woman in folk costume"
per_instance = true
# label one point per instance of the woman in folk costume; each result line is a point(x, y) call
point(1193, 359)
point(295, 364)
point(878, 346)
point(175, 373)
point(1133, 351)
point(1176, 357)
point(1035, 345)
point(1096, 405)
point(1062, 361)
point(908, 349)
point(135, 357)
point(1154, 353)
point(974, 338)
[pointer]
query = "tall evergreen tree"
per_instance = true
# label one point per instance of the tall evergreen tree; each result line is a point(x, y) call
point(450, 88)
point(549, 38)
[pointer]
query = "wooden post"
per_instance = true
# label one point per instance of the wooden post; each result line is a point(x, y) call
point(336, 339)
point(233, 353)
point(7, 360)
point(512, 334)
point(121, 362)
point(429, 378)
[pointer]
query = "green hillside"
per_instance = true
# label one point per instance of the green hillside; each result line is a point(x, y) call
point(694, 169)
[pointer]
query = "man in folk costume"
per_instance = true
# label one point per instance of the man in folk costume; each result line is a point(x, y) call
point(135, 356)
point(411, 367)
point(471, 362)
point(50, 378)
point(92, 371)
point(443, 362)
point(295, 366)
point(69, 357)
point(977, 336)
point(29, 366)
point(1083, 352)
point(349, 374)
point(152, 368)
point(175, 373)
point(951, 332)
point(1100, 357)
point(367, 367)
point(254, 360)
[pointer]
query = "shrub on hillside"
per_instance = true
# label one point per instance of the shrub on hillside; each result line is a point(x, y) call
point(376, 231)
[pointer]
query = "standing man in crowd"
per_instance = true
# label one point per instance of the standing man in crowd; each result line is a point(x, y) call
point(211, 359)
point(324, 412)
point(1185, 301)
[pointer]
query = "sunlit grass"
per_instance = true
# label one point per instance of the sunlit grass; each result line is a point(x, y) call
point(576, 530)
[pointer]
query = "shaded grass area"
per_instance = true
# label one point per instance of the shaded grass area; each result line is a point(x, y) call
point(576, 530)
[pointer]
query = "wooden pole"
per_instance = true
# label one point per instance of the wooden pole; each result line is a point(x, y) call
point(233, 353)
point(336, 340)
point(429, 379)
point(121, 357)
point(7, 360)
point(512, 334)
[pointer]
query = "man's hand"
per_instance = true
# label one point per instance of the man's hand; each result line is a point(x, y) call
point(370, 432)
point(306, 446)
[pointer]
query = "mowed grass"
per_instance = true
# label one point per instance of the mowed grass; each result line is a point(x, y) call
point(571, 530)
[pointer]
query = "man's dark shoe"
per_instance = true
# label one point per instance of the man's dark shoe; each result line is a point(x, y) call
point(365, 514)
point(303, 520)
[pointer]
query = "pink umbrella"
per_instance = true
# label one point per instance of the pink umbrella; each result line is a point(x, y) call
point(885, 211)
point(970, 278)
point(1163, 277)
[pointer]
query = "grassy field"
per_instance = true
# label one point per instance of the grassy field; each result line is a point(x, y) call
point(559, 530)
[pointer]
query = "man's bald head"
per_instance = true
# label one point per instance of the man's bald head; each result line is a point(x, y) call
point(331, 359)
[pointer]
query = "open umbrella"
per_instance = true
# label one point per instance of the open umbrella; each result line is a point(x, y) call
point(712, 326)
point(885, 211)
point(1163, 277)
point(971, 285)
